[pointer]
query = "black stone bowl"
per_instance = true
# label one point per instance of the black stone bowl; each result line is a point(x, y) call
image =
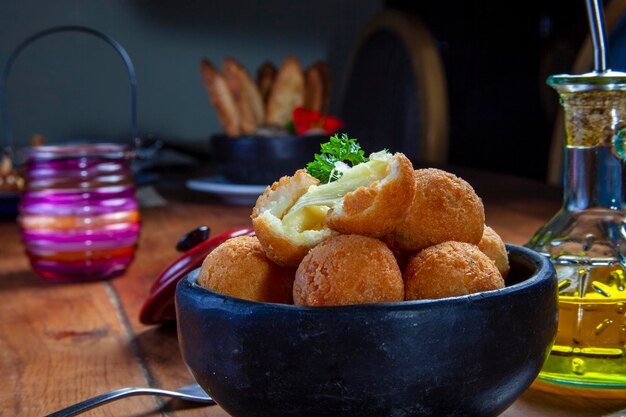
point(463, 356)
point(262, 160)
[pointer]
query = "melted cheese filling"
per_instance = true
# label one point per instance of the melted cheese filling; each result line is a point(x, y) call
point(309, 211)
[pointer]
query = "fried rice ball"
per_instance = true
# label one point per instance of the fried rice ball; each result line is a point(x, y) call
point(492, 245)
point(450, 269)
point(286, 243)
point(348, 269)
point(296, 213)
point(239, 268)
point(444, 208)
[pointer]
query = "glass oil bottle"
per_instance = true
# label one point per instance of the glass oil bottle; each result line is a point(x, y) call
point(586, 239)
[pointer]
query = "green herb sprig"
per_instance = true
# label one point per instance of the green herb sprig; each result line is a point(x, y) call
point(335, 150)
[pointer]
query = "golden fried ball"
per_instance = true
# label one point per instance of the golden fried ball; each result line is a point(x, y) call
point(377, 208)
point(348, 269)
point(286, 243)
point(450, 269)
point(239, 268)
point(491, 244)
point(444, 208)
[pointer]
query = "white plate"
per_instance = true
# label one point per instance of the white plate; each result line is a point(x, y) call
point(239, 194)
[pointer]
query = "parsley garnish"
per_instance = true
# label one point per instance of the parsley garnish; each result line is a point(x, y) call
point(337, 149)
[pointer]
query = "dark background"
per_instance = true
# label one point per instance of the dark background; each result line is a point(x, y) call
point(496, 55)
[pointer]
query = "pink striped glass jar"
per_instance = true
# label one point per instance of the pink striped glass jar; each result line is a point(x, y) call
point(78, 215)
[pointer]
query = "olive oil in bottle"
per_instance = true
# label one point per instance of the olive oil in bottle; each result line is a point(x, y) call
point(586, 240)
point(589, 348)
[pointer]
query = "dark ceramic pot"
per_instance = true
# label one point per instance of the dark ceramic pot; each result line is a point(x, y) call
point(9, 203)
point(262, 160)
point(464, 356)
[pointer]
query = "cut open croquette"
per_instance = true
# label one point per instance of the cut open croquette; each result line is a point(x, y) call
point(287, 243)
point(369, 199)
point(296, 213)
point(239, 268)
point(450, 269)
point(348, 269)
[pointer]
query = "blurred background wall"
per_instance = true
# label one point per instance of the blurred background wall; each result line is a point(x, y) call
point(496, 57)
point(73, 85)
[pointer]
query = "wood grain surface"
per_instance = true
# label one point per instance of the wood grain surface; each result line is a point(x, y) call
point(62, 343)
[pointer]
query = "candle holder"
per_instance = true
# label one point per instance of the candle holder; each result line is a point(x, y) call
point(78, 214)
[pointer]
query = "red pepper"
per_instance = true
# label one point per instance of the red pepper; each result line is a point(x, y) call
point(305, 120)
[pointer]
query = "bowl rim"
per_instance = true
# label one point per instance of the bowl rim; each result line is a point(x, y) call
point(223, 137)
point(544, 271)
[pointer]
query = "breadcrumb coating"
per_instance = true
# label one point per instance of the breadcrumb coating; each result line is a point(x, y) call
point(492, 245)
point(348, 269)
point(450, 269)
point(444, 208)
point(239, 268)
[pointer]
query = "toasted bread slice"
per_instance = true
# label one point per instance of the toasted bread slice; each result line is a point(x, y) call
point(314, 93)
point(327, 84)
point(287, 92)
point(246, 95)
point(221, 97)
point(265, 77)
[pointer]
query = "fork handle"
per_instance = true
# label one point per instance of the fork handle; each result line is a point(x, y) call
point(98, 400)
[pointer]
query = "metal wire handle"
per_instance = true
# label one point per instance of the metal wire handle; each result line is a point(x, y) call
point(8, 135)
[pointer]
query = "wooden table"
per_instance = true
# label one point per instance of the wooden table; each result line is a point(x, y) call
point(62, 343)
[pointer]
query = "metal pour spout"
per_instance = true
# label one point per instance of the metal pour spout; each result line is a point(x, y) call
point(597, 28)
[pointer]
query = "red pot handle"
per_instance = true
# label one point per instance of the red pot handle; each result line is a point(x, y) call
point(159, 306)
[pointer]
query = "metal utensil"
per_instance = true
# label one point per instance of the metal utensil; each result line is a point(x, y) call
point(191, 392)
point(595, 14)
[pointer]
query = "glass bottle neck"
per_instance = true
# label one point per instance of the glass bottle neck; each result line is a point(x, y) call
point(593, 178)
